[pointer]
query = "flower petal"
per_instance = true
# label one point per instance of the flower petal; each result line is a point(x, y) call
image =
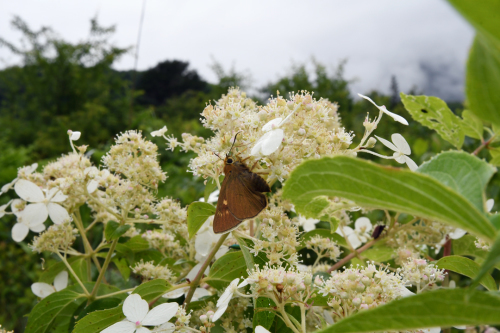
point(160, 314)
point(175, 293)
point(260, 329)
point(61, 281)
point(37, 228)
point(457, 233)
point(8, 186)
point(354, 240)
point(271, 124)
point(256, 149)
point(199, 293)
point(369, 99)
point(363, 223)
point(411, 164)
point(347, 231)
point(220, 311)
point(222, 251)
point(75, 135)
point(394, 116)
point(19, 232)
point(388, 144)
point(400, 142)
point(92, 186)
point(42, 289)
point(192, 273)
point(57, 213)
point(489, 204)
point(142, 330)
point(272, 143)
point(328, 317)
point(55, 195)
point(121, 327)
point(135, 308)
point(29, 191)
point(15, 204)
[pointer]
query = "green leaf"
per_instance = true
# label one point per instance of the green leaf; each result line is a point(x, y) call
point(483, 79)
point(137, 243)
point(324, 233)
point(79, 266)
point(491, 260)
point(483, 16)
point(465, 246)
point(467, 267)
point(373, 186)
point(50, 273)
point(197, 214)
point(472, 125)
point(464, 173)
point(152, 289)
point(100, 304)
point(435, 114)
point(316, 206)
point(114, 230)
point(99, 320)
point(54, 307)
point(230, 266)
point(244, 246)
point(123, 267)
point(440, 308)
point(379, 253)
point(263, 318)
point(211, 186)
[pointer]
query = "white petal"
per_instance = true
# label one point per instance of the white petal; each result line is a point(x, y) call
point(400, 143)
point(388, 144)
point(75, 136)
point(354, 240)
point(199, 293)
point(461, 327)
point(489, 204)
point(328, 317)
point(243, 283)
point(405, 292)
point(61, 281)
point(347, 231)
point(29, 191)
point(175, 293)
point(159, 132)
point(214, 196)
point(411, 164)
point(135, 308)
point(19, 232)
point(31, 168)
point(431, 330)
point(57, 213)
point(260, 329)
point(8, 186)
point(37, 228)
point(256, 149)
point(205, 241)
point(369, 99)
point(222, 251)
point(165, 328)
point(457, 233)
point(92, 186)
point(120, 327)
point(55, 195)
point(401, 159)
point(220, 311)
point(14, 206)
point(192, 273)
point(42, 289)
point(160, 314)
point(272, 124)
point(363, 223)
point(142, 330)
point(394, 116)
point(272, 143)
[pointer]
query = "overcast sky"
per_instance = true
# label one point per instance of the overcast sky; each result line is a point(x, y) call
point(424, 43)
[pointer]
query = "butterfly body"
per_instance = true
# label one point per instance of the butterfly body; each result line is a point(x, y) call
point(241, 196)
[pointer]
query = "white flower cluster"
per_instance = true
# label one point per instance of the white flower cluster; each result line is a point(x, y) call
point(419, 273)
point(149, 271)
point(323, 247)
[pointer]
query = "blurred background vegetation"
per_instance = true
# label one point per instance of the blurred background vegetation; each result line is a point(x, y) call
point(60, 86)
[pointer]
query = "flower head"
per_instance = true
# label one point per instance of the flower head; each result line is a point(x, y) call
point(42, 289)
point(382, 108)
point(137, 314)
point(401, 148)
point(360, 234)
point(160, 132)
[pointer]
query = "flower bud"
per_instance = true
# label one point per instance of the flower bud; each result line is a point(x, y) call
point(203, 318)
point(371, 143)
point(356, 301)
point(308, 280)
point(366, 280)
point(290, 105)
point(344, 295)
point(301, 131)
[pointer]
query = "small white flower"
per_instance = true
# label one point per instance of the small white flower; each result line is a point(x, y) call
point(360, 234)
point(136, 311)
point(270, 141)
point(307, 224)
point(28, 170)
point(43, 290)
point(73, 136)
point(225, 298)
point(213, 197)
point(41, 205)
point(387, 112)
point(160, 132)
point(401, 148)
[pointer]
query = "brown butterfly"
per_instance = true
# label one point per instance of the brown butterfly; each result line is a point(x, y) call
point(240, 196)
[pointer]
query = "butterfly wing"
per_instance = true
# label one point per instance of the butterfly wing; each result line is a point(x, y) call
point(244, 196)
point(224, 220)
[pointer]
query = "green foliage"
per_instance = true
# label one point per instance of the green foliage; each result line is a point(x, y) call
point(324, 233)
point(490, 261)
point(98, 320)
point(462, 172)
point(384, 188)
point(440, 308)
point(230, 266)
point(197, 214)
point(114, 230)
point(467, 267)
point(262, 315)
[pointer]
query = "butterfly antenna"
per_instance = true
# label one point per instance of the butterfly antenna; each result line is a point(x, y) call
point(234, 141)
point(218, 156)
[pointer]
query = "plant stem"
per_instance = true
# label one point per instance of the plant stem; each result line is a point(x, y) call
point(103, 270)
point(287, 320)
point(115, 293)
point(483, 145)
point(198, 277)
point(352, 255)
point(74, 274)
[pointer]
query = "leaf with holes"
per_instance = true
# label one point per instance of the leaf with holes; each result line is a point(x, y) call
point(435, 114)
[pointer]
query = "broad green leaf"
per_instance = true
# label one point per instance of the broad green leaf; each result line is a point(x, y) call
point(99, 320)
point(197, 214)
point(324, 233)
point(373, 186)
point(148, 255)
point(265, 317)
point(467, 267)
point(100, 304)
point(137, 243)
point(483, 79)
point(114, 230)
point(472, 125)
point(211, 186)
point(464, 246)
point(316, 206)
point(482, 15)
point(435, 114)
point(52, 308)
point(123, 267)
point(80, 268)
point(490, 261)
point(152, 289)
point(230, 266)
point(244, 246)
point(379, 253)
point(357, 262)
point(319, 299)
point(50, 273)
point(464, 173)
point(440, 308)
